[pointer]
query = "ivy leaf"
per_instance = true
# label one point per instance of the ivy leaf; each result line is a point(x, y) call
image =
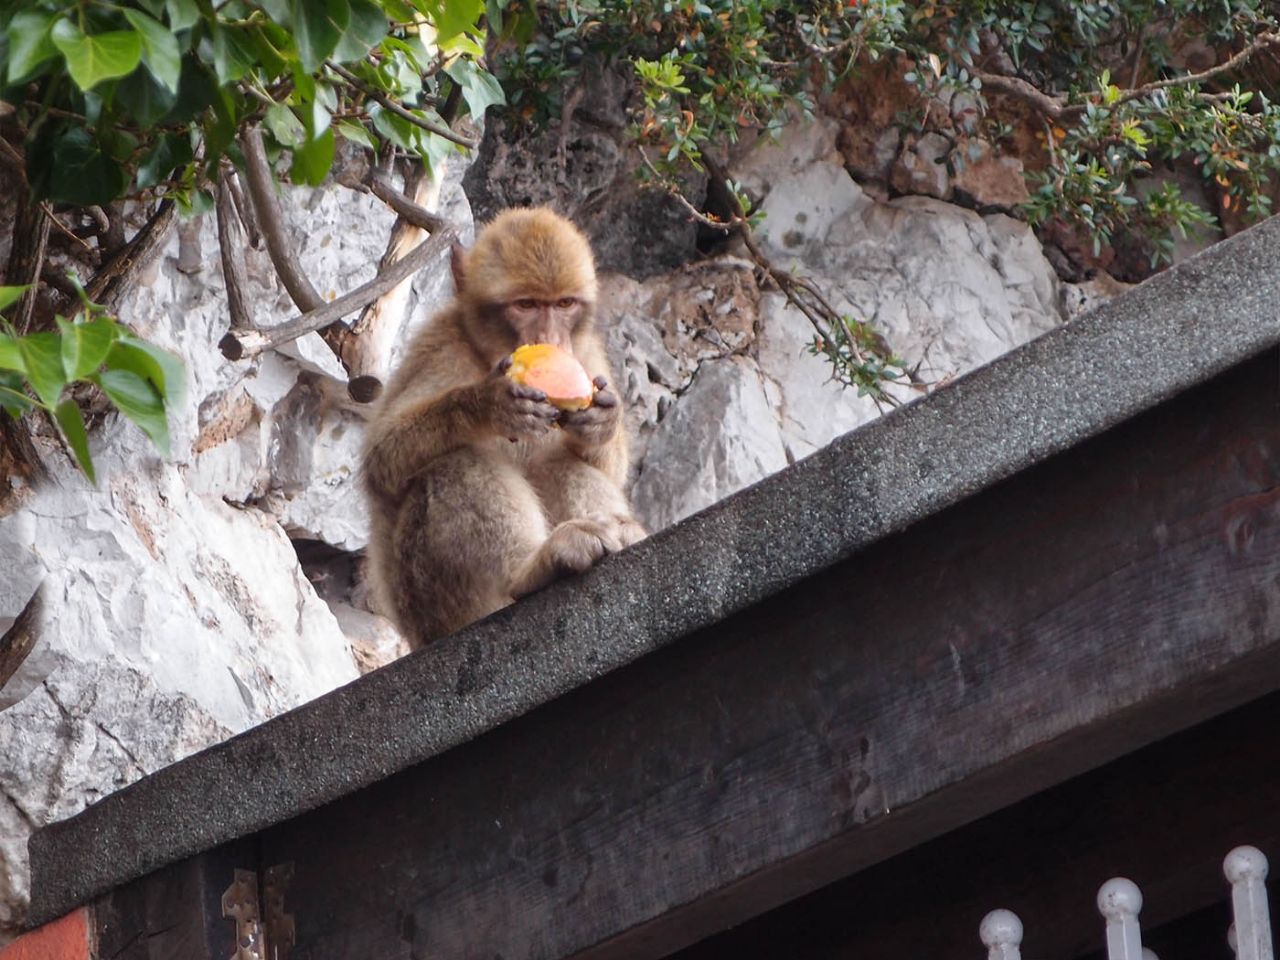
point(172, 150)
point(158, 367)
point(356, 133)
point(11, 295)
point(72, 425)
point(318, 25)
point(42, 358)
point(312, 160)
point(145, 98)
point(69, 166)
point(182, 13)
point(139, 401)
point(97, 57)
point(284, 126)
point(480, 88)
point(85, 346)
point(29, 42)
point(233, 53)
point(159, 48)
point(452, 17)
point(365, 30)
point(10, 355)
point(13, 397)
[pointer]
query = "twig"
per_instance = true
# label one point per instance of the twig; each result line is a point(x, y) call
point(231, 249)
point(1057, 108)
point(238, 345)
point(244, 210)
point(114, 278)
point(409, 211)
point(263, 192)
point(61, 227)
point(389, 104)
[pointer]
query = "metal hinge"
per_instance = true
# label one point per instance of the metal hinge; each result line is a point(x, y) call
point(263, 930)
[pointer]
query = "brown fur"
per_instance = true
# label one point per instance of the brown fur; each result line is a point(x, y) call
point(464, 519)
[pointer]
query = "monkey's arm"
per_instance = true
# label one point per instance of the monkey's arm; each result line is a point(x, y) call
point(595, 435)
point(416, 427)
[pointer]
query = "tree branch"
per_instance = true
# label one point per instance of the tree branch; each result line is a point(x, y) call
point(389, 104)
point(262, 190)
point(231, 238)
point(238, 345)
point(408, 211)
point(1057, 108)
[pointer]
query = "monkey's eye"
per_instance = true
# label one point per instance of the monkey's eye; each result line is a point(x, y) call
point(526, 303)
point(564, 303)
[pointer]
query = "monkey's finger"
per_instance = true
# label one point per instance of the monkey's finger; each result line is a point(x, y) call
point(522, 392)
point(601, 383)
point(605, 399)
point(504, 364)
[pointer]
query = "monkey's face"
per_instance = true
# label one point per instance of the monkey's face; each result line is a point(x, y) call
point(501, 327)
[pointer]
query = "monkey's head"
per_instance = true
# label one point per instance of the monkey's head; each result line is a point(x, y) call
point(529, 278)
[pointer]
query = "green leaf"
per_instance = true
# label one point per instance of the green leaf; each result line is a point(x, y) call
point(284, 126)
point(69, 166)
point(322, 107)
point(159, 367)
point(42, 357)
point(182, 13)
point(318, 25)
point(29, 42)
point(10, 355)
point(171, 151)
point(13, 395)
point(233, 53)
point(356, 133)
point(85, 346)
point(480, 88)
point(312, 160)
point(365, 30)
point(145, 99)
point(11, 295)
point(72, 424)
point(159, 48)
point(97, 57)
point(139, 401)
point(452, 17)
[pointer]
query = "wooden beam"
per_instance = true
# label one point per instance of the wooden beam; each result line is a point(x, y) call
point(1121, 591)
point(1164, 817)
point(175, 913)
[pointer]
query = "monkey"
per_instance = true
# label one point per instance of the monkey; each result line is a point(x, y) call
point(480, 491)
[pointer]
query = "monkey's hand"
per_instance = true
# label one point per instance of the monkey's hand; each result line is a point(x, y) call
point(514, 410)
point(595, 426)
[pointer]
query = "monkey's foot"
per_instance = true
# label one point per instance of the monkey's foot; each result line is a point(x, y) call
point(574, 546)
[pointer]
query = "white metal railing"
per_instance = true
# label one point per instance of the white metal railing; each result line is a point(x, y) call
point(1120, 902)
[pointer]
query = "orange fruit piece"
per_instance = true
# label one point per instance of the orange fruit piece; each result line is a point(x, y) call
point(555, 372)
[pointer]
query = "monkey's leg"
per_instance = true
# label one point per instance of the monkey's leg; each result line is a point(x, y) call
point(464, 532)
point(572, 489)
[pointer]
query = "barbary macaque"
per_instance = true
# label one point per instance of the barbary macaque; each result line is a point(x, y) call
point(481, 490)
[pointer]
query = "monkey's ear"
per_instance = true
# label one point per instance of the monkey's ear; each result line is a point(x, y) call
point(457, 264)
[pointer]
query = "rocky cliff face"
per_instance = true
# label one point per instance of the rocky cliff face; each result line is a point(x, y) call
point(188, 599)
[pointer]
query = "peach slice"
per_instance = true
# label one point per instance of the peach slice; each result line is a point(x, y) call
point(554, 372)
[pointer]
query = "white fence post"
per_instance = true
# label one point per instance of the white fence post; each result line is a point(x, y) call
point(1246, 869)
point(1001, 932)
point(1120, 901)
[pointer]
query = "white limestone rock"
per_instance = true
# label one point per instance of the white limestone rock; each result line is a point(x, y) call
point(720, 437)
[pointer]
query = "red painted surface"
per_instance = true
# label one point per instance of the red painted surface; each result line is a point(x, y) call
point(66, 938)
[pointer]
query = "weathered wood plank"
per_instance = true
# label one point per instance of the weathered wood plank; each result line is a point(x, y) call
point(174, 913)
point(1164, 817)
point(1125, 589)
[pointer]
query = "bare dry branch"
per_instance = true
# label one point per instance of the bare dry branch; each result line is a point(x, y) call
point(244, 209)
point(231, 239)
point(262, 190)
point(1057, 108)
point(117, 276)
point(408, 210)
point(388, 104)
point(238, 345)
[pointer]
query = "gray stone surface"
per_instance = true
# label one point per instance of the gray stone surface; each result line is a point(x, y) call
point(1177, 330)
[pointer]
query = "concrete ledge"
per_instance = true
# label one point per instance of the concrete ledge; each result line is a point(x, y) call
point(1175, 331)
